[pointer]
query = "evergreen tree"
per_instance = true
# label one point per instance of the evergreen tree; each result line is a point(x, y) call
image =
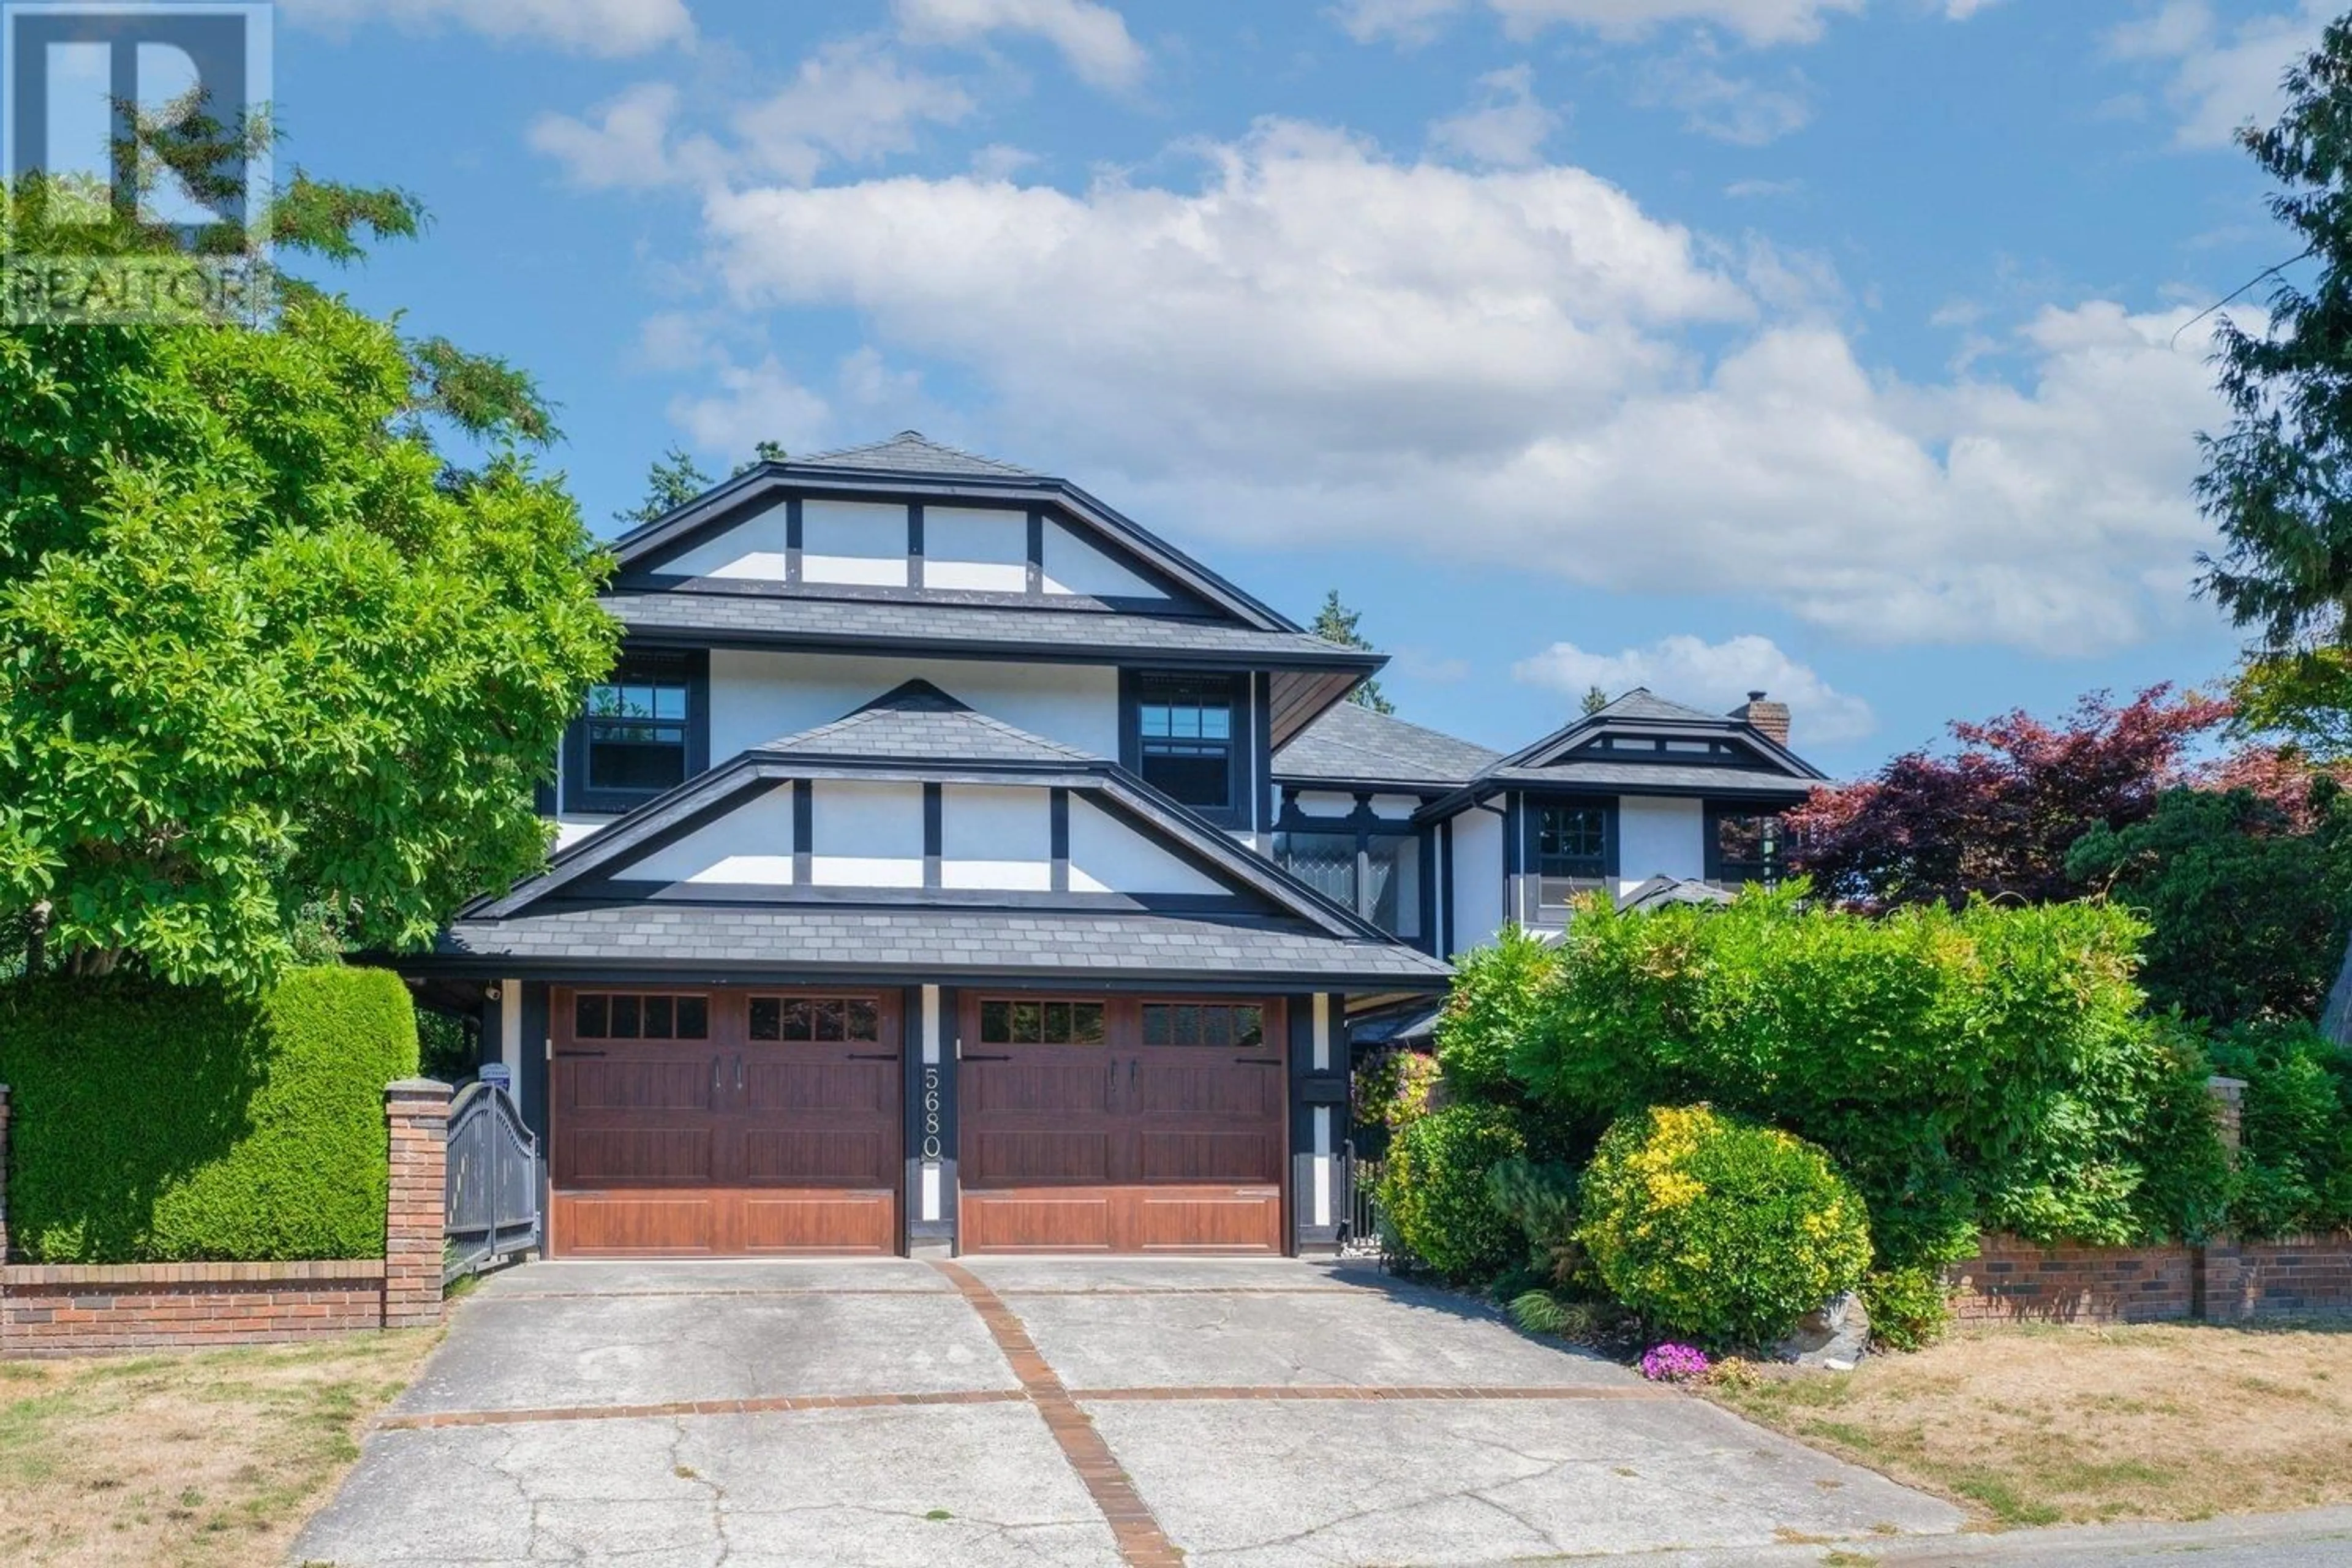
point(1334, 623)
point(2276, 481)
point(673, 480)
point(1595, 700)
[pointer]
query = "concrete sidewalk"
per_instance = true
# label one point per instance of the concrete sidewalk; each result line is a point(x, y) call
point(1256, 1413)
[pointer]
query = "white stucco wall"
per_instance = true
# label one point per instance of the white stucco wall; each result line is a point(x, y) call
point(754, 549)
point(756, 698)
point(1659, 836)
point(750, 846)
point(967, 547)
point(866, 835)
point(1477, 880)
point(1108, 857)
point(1073, 566)
point(1000, 838)
point(852, 542)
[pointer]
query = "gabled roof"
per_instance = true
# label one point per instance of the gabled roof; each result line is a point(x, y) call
point(1351, 745)
point(1276, 928)
point(917, 721)
point(943, 473)
point(912, 452)
point(1642, 704)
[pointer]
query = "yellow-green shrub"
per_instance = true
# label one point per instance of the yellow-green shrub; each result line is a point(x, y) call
point(1719, 1229)
point(1432, 1190)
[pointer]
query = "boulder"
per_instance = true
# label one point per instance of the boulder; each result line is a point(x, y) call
point(1834, 1337)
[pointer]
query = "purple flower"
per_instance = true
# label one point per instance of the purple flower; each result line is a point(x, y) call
point(1674, 1363)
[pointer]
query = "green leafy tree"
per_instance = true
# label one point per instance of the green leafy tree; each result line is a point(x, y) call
point(1334, 623)
point(2250, 909)
point(762, 452)
point(673, 480)
point(268, 656)
point(2275, 481)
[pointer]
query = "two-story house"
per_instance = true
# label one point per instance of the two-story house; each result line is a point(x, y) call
point(913, 889)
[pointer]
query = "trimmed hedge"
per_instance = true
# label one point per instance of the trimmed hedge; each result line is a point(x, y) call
point(160, 1124)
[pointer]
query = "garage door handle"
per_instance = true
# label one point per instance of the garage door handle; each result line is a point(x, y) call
point(976, 1056)
point(738, 1075)
point(873, 1056)
point(578, 1053)
point(1257, 1061)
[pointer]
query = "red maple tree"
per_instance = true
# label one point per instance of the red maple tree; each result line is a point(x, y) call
point(1996, 815)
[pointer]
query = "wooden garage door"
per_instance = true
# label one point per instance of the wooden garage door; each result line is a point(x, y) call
point(728, 1124)
point(1096, 1125)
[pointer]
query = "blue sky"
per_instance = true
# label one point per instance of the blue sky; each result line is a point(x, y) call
point(1820, 345)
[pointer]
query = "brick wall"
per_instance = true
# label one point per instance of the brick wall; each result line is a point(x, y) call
point(2011, 1280)
point(53, 1309)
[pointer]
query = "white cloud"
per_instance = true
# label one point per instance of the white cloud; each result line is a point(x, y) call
point(852, 101)
point(1763, 190)
point(1745, 113)
point(2221, 77)
point(1318, 345)
point(1504, 126)
point(1718, 675)
point(1093, 38)
point(1754, 21)
point(611, 27)
point(624, 144)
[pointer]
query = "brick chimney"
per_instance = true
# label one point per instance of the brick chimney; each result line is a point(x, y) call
point(1770, 718)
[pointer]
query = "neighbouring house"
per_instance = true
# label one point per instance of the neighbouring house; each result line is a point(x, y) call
point(915, 889)
point(1442, 844)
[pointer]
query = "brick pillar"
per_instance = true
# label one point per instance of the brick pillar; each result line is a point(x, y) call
point(416, 1111)
point(2217, 1274)
point(3, 1173)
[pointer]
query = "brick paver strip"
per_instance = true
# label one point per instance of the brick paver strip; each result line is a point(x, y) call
point(760, 1406)
point(1342, 1391)
point(1141, 1543)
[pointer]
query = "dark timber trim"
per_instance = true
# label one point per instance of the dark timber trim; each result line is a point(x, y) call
point(792, 540)
point(934, 833)
point(803, 832)
point(915, 544)
point(1058, 815)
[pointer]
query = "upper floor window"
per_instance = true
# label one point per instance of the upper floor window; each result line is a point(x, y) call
point(1378, 875)
point(1742, 846)
point(638, 733)
point(1573, 842)
point(1185, 740)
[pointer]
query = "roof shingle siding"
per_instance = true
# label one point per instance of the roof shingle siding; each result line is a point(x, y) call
point(852, 622)
point(924, 728)
point(824, 937)
point(1353, 744)
point(912, 452)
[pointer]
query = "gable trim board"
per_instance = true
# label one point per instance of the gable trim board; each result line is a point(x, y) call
point(742, 498)
point(1177, 834)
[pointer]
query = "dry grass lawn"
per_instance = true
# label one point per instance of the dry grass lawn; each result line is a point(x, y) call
point(2049, 1425)
point(186, 1458)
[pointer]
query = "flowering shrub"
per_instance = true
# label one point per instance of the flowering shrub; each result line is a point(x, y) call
point(1719, 1229)
point(1393, 1088)
point(1670, 1363)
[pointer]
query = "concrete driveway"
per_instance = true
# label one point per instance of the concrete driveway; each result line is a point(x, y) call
point(1251, 1413)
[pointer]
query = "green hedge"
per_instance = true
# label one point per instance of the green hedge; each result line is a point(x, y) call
point(1433, 1191)
point(153, 1123)
point(1986, 1068)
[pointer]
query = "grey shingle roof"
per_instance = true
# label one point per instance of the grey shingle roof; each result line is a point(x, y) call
point(1353, 744)
point(912, 452)
point(1635, 777)
point(802, 621)
point(1642, 703)
point(916, 941)
point(919, 722)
